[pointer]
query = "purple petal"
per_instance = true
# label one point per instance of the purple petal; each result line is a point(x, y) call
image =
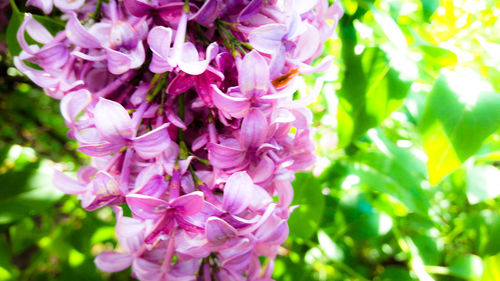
point(67, 184)
point(189, 60)
point(189, 204)
point(253, 75)
point(250, 10)
point(118, 63)
point(79, 36)
point(181, 83)
point(137, 56)
point(37, 31)
point(253, 129)
point(207, 14)
point(44, 5)
point(263, 170)
point(104, 185)
point(146, 207)
point(112, 120)
point(224, 157)
point(52, 57)
point(237, 193)
point(307, 44)
point(159, 40)
point(218, 231)
point(146, 270)
point(268, 38)
point(322, 66)
point(285, 192)
point(68, 5)
point(138, 8)
point(155, 187)
point(172, 12)
point(237, 107)
point(152, 143)
point(73, 103)
point(101, 149)
point(113, 261)
point(203, 84)
point(161, 229)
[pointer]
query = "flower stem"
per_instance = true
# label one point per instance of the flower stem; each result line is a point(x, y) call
point(96, 15)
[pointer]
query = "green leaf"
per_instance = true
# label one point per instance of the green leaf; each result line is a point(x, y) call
point(438, 57)
point(394, 171)
point(468, 267)
point(371, 90)
point(16, 19)
point(491, 270)
point(458, 117)
point(427, 248)
point(429, 7)
point(482, 183)
point(306, 219)
point(37, 195)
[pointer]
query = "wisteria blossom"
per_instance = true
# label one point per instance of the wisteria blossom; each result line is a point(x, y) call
point(187, 111)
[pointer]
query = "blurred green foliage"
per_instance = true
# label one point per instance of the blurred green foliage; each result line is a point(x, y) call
point(406, 184)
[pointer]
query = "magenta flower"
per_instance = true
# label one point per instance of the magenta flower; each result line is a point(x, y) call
point(114, 130)
point(187, 110)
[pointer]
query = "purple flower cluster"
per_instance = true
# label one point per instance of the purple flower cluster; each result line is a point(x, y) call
point(187, 109)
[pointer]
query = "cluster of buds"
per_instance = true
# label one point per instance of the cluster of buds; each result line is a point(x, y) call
point(187, 109)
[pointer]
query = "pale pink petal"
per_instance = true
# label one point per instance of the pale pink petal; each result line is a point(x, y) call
point(113, 261)
point(189, 204)
point(67, 184)
point(152, 143)
point(253, 129)
point(225, 157)
point(237, 193)
point(118, 63)
point(237, 107)
point(79, 36)
point(73, 103)
point(218, 231)
point(112, 120)
point(268, 38)
point(253, 75)
point(146, 207)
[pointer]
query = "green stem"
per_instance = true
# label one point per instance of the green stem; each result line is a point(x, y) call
point(96, 15)
point(160, 85)
point(441, 270)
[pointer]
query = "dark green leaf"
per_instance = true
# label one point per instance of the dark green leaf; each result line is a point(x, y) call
point(429, 7)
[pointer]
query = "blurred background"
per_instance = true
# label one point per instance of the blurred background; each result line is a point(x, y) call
point(406, 183)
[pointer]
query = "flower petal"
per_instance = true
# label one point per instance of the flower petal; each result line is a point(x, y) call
point(67, 184)
point(253, 75)
point(237, 107)
point(79, 36)
point(152, 143)
point(73, 103)
point(189, 204)
point(224, 157)
point(253, 129)
point(112, 120)
point(118, 63)
point(146, 207)
point(218, 231)
point(113, 261)
point(268, 38)
point(237, 193)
